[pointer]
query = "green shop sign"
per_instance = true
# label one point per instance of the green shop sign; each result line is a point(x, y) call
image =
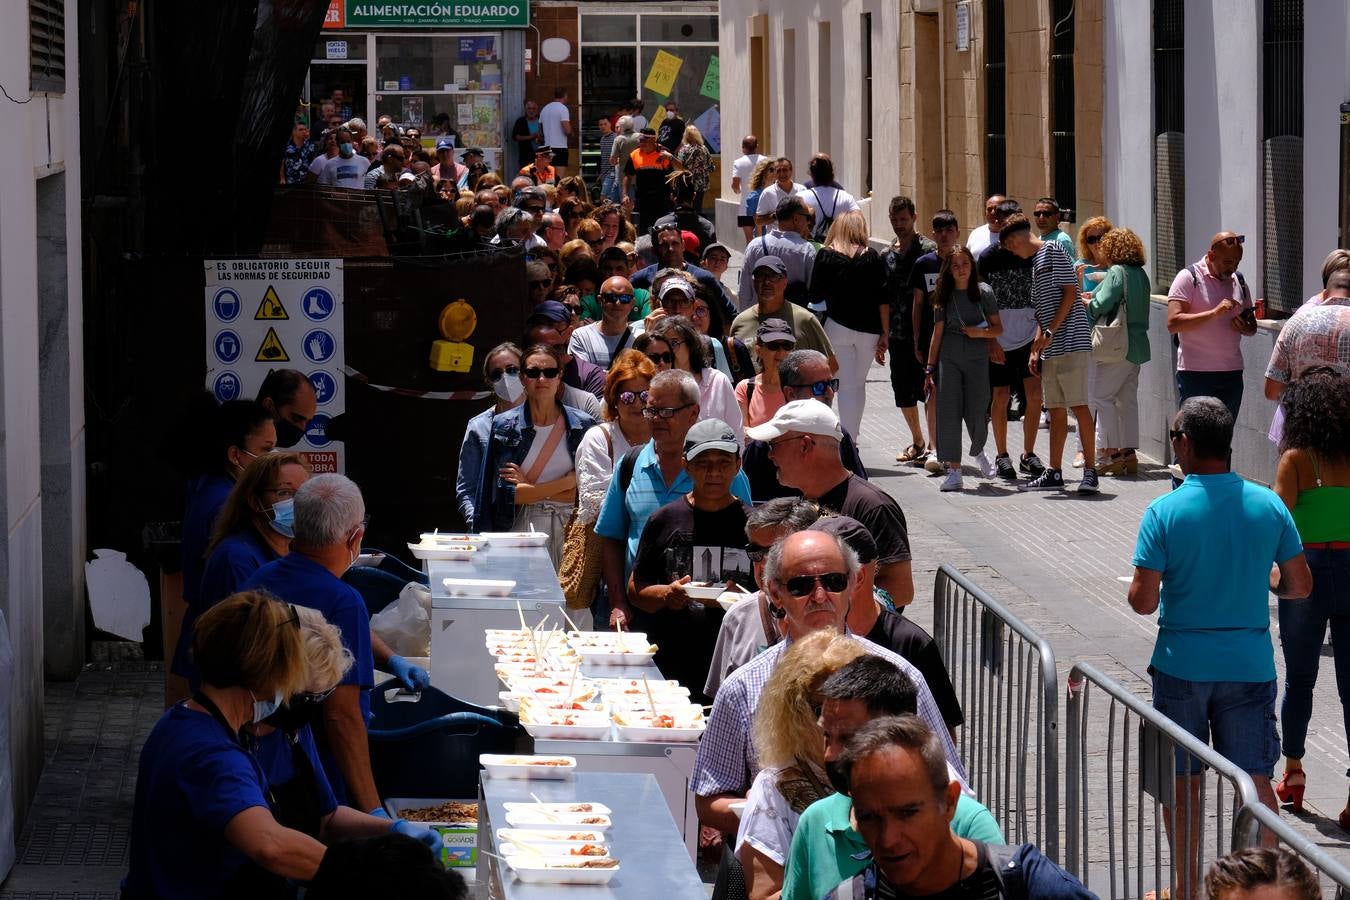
point(447, 14)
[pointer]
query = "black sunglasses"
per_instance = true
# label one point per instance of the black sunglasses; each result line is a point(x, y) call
point(628, 398)
point(534, 373)
point(756, 553)
point(778, 345)
point(1176, 433)
point(539, 284)
point(1092, 240)
point(1045, 213)
point(664, 412)
point(805, 585)
point(610, 297)
point(818, 388)
point(1232, 241)
point(664, 357)
point(496, 374)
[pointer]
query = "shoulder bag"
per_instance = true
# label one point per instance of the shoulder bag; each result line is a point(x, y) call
point(1111, 339)
point(583, 553)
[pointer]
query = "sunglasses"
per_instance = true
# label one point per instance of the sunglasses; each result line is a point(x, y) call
point(628, 398)
point(312, 697)
point(496, 374)
point(775, 346)
point(1176, 433)
point(756, 553)
point(540, 284)
point(1235, 241)
point(624, 299)
point(818, 388)
point(805, 585)
point(663, 357)
point(1045, 213)
point(1092, 240)
point(663, 412)
point(534, 373)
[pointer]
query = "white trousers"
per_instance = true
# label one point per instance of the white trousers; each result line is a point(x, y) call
point(855, 351)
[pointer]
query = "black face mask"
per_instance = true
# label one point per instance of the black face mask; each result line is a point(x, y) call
point(287, 434)
point(299, 711)
point(836, 776)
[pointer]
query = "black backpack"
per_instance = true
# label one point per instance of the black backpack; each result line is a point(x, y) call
point(825, 221)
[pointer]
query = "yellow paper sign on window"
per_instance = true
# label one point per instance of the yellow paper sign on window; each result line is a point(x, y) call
point(661, 77)
point(657, 117)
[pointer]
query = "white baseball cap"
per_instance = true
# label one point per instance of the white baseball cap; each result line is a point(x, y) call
point(802, 416)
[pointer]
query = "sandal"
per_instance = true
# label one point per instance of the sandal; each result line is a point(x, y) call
point(911, 453)
point(1291, 791)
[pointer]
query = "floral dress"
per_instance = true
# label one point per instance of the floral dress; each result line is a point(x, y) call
point(698, 161)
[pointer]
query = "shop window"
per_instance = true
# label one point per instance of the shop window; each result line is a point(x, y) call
point(1169, 141)
point(1065, 174)
point(824, 92)
point(694, 62)
point(608, 29)
point(995, 105)
point(867, 100)
point(1282, 151)
point(669, 29)
point(342, 45)
point(47, 45)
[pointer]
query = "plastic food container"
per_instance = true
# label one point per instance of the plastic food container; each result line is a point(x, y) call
point(542, 768)
point(478, 587)
point(459, 839)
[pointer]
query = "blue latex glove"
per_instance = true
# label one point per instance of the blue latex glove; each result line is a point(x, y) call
point(379, 812)
point(419, 832)
point(414, 678)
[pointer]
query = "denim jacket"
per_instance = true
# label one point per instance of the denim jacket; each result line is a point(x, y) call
point(469, 477)
point(511, 435)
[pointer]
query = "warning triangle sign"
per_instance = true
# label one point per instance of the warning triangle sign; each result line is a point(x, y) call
point(271, 349)
point(270, 307)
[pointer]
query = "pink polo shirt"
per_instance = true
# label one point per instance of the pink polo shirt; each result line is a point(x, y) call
point(1213, 346)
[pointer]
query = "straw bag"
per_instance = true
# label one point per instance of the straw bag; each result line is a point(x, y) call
point(1111, 340)
point(582, 555)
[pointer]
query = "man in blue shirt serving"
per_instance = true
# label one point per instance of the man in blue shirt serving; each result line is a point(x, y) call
point(1203, 558)
point(330, 520)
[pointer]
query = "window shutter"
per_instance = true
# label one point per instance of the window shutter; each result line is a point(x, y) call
point(47, 45)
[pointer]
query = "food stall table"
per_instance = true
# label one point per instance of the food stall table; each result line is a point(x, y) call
point(643, 838)
point(460, 663)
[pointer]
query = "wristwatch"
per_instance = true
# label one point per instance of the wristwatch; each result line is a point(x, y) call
point(1049, 334)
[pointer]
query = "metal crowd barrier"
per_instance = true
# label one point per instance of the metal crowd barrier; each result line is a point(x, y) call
point(1135, 754)
point(1004, 675)
point(1333, 874)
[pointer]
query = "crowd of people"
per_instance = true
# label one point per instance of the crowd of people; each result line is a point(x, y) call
point(666, 429)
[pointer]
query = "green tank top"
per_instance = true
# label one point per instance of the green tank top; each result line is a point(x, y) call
point(1322, 514)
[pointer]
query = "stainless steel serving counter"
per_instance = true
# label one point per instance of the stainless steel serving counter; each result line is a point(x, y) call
point(643, 838)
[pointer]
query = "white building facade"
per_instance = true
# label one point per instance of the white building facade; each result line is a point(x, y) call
point(1175, 119)
point(41, 373)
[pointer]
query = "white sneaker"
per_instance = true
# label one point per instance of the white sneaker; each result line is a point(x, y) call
point(1045, 418)
point(986, 465)
point(952, 482)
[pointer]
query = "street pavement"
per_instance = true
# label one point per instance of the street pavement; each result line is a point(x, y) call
point(1059, 561)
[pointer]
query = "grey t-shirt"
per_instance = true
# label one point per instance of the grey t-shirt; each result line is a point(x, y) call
point(744, 634)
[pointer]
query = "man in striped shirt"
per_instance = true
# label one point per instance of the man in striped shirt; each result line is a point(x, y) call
point(809, 577)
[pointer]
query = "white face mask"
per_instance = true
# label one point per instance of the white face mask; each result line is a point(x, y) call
point(264, 708)
point(508, 388)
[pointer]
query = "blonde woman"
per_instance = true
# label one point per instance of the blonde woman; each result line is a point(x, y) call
point(850, 278)
point(693, 155)
point(791, 755)
point(1091, 267)
point(1113, 390)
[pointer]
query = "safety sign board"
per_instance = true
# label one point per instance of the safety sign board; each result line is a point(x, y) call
point(265, 314)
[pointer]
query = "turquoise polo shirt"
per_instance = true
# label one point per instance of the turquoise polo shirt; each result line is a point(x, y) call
point(1213, 539)
point(827, 851)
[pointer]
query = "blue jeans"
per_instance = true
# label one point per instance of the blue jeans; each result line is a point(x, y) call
point(1236, 717)
point(1303, 627)
point(609, 188)
point(1226, 386)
